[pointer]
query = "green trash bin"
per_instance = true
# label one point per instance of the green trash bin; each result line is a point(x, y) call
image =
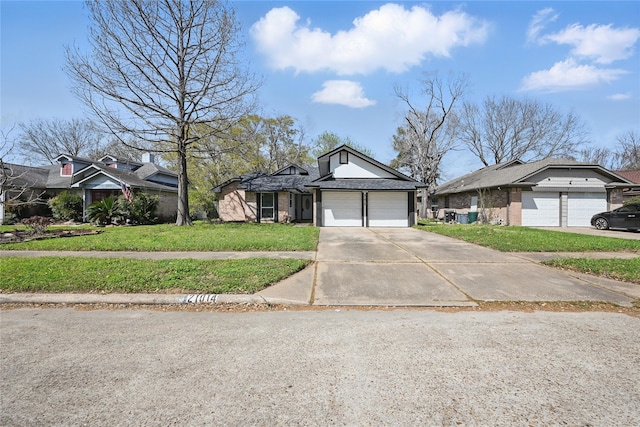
point(473, 217)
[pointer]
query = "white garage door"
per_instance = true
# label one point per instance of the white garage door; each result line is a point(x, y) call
point(342, 209)
point(540, 209)
point(388, 209)
point(582, 206)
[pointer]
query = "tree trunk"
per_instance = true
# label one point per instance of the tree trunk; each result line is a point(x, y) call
point(183, 217)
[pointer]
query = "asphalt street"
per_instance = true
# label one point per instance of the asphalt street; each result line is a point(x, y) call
point(327, 367)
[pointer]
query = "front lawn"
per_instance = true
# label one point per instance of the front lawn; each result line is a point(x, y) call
point(122, 275)
point(200, 237)
point(525, 239)
point(627, 270)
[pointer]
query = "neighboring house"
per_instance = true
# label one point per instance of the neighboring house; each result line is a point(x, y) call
point(348, 189)
point(96, 180)
point(633, 176)
point(550, 192)
point(21, 183)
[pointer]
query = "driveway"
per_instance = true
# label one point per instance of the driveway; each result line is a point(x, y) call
point(409, 267)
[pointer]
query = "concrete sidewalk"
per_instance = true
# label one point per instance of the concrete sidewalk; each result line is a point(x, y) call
point(384, 267)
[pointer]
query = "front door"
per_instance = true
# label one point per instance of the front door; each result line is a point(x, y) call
point(307, 207)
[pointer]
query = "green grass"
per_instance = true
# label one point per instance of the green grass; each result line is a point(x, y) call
point(525, 239)
point(627, 270)
point(122, 275)
point(200, 237)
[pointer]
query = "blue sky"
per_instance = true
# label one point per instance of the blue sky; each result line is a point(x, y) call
point(333, 65)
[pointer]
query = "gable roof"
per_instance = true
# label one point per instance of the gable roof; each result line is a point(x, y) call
point(633, 176)
point(263, 182)
point(120, 175)
point(516, 173)
point(20, 176)
point(327, 181)
point(323, 162)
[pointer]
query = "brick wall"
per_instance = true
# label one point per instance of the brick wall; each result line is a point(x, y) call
point(615, 198)
point(283, 207)
point(167, 206)
point(231, 203)
point(515, 210)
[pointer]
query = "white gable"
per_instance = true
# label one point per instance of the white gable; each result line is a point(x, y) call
point(100, 182)
point(355, 167)
point(570, 178)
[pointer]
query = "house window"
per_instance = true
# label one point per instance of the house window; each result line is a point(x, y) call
point(344, 157)
point(67, 169)
point(267, 204)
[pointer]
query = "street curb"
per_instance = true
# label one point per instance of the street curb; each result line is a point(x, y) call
point(140, 299)
point(187, 299)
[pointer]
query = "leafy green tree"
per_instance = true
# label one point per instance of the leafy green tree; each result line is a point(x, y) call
point(327, 141)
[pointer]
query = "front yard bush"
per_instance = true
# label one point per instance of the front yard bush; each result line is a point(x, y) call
point(66, 206)
point(141, 210)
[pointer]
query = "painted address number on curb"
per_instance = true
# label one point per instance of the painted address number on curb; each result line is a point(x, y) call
point(198, 298)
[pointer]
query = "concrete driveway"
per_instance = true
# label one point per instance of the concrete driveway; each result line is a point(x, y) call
point(409, 267)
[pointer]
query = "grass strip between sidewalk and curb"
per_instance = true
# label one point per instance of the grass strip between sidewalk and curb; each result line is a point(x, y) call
point(627, 270)
point(525, 239)
point(122, 275)
point(240, 237)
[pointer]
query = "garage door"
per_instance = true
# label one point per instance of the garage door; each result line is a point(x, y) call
point(342, 209)
point(582, 206)
point(540, 209)
point(388, 209)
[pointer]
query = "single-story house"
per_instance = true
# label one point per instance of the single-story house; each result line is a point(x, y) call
point(348, 189)
point(549, 192)
point(95, 180)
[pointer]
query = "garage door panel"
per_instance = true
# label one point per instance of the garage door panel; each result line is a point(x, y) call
point(342, 209)
point(540, 209)
point(582, 206)
point(388, 209)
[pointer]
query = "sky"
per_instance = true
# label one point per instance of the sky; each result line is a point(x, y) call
point(333, 65)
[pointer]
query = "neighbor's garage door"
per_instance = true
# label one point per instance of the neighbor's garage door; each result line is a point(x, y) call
point(540, 209)
point(582, 206)
point(388, 209)
point(342, 209)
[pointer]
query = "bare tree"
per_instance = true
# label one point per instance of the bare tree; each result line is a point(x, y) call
point(429, 131)
point(43, 140)
point(596, 155)
point(16, 182)
point(158, 70)
point(506, 129)
point(627, 153)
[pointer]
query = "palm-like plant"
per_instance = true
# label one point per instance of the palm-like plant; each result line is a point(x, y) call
point(104, 211)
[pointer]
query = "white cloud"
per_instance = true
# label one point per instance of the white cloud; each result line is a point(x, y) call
point(567, 75)
point(391, 38)
point(619, 96)
point(342, 92)
point(600, 43)
point(539, 21)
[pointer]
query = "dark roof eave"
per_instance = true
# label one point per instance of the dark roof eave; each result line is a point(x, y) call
point(493, 187)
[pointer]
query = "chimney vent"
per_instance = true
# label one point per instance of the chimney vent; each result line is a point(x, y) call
point(147, 158)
